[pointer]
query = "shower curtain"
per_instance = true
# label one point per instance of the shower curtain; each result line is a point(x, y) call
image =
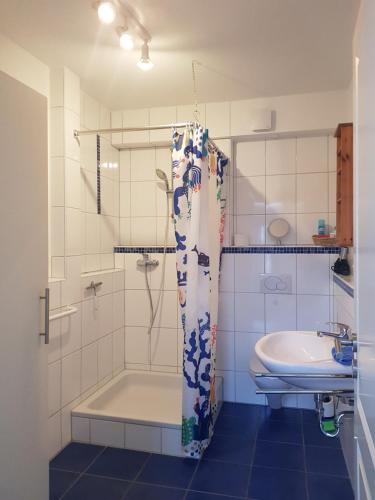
point(198, 176)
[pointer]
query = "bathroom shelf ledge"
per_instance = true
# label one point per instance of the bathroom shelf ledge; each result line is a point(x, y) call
point(345, 283)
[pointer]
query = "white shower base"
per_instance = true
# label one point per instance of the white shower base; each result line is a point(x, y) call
point(136, 410)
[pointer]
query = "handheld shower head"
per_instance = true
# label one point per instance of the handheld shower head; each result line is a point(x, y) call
point(163, 176)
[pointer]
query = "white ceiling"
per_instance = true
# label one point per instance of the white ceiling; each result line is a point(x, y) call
point(253, 48)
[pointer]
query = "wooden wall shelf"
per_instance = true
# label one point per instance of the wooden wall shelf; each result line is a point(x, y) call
point(344, 197)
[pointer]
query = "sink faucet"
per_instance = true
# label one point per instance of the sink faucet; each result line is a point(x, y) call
point(345, 337)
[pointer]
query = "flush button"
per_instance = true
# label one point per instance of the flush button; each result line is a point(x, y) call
point(275, 283)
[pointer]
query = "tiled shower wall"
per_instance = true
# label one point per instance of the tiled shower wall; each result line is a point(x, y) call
point(87, 348)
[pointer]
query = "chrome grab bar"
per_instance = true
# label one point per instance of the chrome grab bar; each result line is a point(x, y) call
point(45, 334)
point(68, 312)
point(303, 375)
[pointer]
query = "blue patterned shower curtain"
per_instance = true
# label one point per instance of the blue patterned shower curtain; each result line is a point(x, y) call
point(198, 176)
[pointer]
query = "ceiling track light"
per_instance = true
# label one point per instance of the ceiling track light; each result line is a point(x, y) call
point(145, 63)
point(106, 12)
point(126, 40)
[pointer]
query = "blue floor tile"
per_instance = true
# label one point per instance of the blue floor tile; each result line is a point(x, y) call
point(194, 495)
point(325, 461)
point(240, 409)
point(97, 488)
point(152, 492)
point(277, 484)
point(310, 417)
point(59, 482)
point(168, 471)
point(234, 449)
point(230, 425)
point(289, 415)
point(314, 436)
point(122, 464)
point(280, 455)
point(282, 432)
point(221, 477)
point(76, 457)
point(329, 487)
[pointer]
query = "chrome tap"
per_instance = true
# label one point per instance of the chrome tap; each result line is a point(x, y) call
point(345, 337)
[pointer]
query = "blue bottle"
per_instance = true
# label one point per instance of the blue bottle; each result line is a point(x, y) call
point(322, 227)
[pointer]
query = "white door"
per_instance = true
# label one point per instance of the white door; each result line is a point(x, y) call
point(23, 277)
point(364, 108)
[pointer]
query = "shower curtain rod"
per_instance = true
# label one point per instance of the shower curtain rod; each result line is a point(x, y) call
point(78, 133)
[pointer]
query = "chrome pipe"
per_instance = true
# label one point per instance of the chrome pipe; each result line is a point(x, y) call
point(305, 391)
point(302, 375)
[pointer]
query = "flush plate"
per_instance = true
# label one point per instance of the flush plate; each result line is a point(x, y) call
point(276, 283)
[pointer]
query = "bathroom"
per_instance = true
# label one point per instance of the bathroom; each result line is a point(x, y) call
point(119, 253)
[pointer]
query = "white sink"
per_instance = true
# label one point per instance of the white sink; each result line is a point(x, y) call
point(302, 352)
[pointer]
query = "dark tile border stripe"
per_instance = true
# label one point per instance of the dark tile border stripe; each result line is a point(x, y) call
point(344, 286)
point(98, 184)
point(255, 249)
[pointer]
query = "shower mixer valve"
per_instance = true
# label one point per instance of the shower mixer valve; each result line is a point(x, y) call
point(146, 261)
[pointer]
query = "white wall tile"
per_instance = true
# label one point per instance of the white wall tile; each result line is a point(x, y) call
point(81, 429)
point(118, 310)
point(227, 273)
point(73, 232)
point(164, 346)
point(249, 312)
point(89, 366)
point(90, 118)
point(170, 279)
point(57, 231)
point(105, 357)
point(244, 348)
point(105, 309)
point(226, 312)
point(225, 351)
point(229, 384)
point(312, 154)
point(136, 308)
point(143, 438)
point(143, 199)
point(136, 345)
point(54, 347)
point(70, 377)
point(90, 321)
point(167, 314)
point(135, 118)
point(307, 225)
point(281, 156)
point(282, 264)
point(250, 195)
point(57, 182)
point(71, 332)
point(312, 193)
point(171, 442)
point(313, 274)
point(125, 199)
point(160, 116)
point(332, 153)
point(125, 165)
point(56, 132)
point(280, 194)
point(142, 165)
point(248, 268)
point(312, 311)
point(71, 123)
point(281, 312)
point(107, 433)
point(118, 350)
point(245, 390)
point(54, 387)
point(250, 158)
point(143, 231)
point(253, 226)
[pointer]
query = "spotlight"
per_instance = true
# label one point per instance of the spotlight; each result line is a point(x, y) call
point(126, 40)
point(145, 63)
point(106, 12)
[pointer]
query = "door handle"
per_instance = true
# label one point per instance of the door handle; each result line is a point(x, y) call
point(45, 334)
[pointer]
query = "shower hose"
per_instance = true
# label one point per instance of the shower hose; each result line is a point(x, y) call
point(155, 308)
